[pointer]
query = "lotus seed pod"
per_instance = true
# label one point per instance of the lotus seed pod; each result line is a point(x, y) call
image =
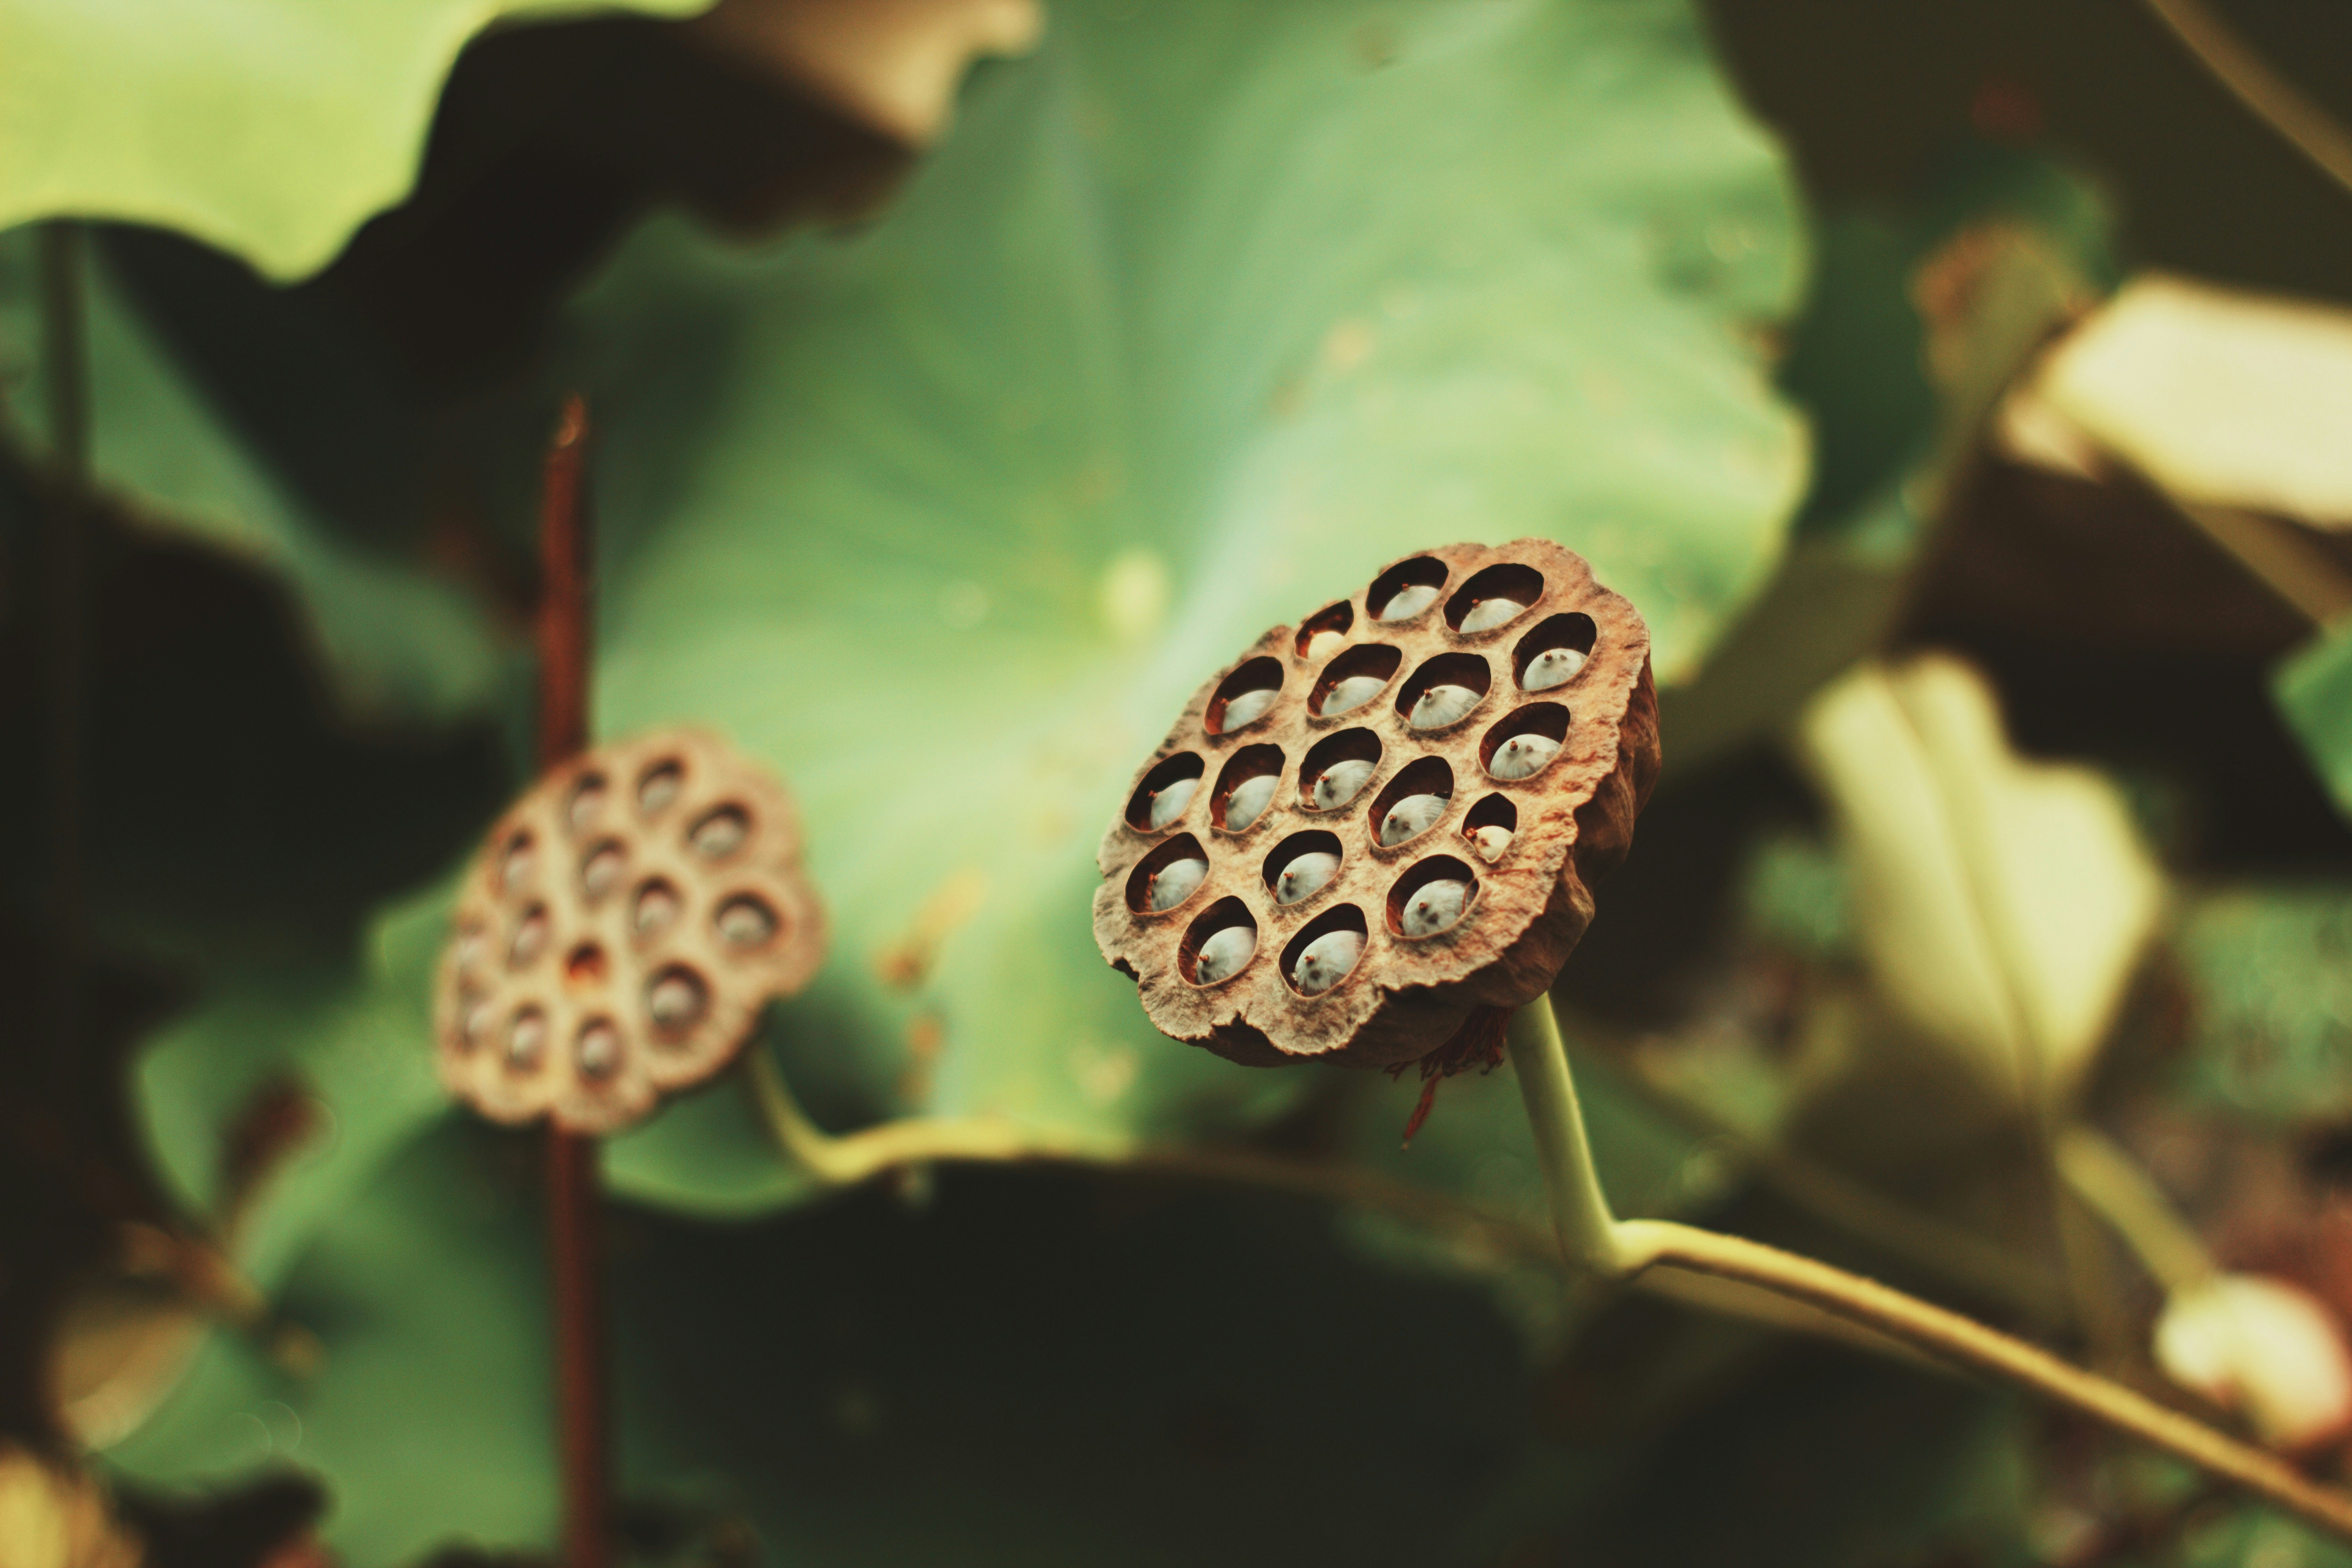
point(1248, 802)
point(1410, 817)
point(1404, 841)
point(620, 932)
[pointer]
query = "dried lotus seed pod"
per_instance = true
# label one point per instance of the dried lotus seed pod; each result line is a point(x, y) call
point(1403, 841)
point(621, 931)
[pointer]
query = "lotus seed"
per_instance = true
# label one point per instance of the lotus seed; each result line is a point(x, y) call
point(1408, 602)
point(721, 833)
point(1443, 705)
point(675, 999)
point(525, 1036)
point(1488, 614)
point(1324, 643)
point(598, 1049)
point(1173, 883)
point(660, 787)
point(603, 872)
point(529, 939)
point(587, 802)
point(746, 922)
point(656, 907)
point(1491, 841)
point(1248, 802)
point(1410, 817)
point(515, 871)
point(1523, 756)
point(1436, 905)
point(479, 1017)
point(1224, 953)
point(1306, 876)
point(1327, 960)
point(1169, 802)
point(1553, 667)
point(1246, 708)
point(1352, 693)
point(1340, 783)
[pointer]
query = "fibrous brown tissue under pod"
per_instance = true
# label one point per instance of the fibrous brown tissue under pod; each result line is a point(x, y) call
point(620, 932)
point(1378, 821)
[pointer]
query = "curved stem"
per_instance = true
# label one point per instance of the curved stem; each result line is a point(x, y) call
point(1624, 1247)
point(1580, 1209)
point(2128, 1198)
point(1951, 1337)
point(2274, 100)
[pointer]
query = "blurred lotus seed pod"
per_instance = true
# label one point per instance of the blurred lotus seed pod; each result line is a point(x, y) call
point(620, 932)
point(1402, 839)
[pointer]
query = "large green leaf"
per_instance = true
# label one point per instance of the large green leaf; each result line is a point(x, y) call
point(269, 128)
point(1201, 314)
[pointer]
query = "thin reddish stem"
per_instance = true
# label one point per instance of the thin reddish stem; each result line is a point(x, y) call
point(572, 1211)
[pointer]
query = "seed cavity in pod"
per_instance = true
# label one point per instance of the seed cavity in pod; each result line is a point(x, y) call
point(480, 1015)
point(1326, 949)
point(1411, 803)
point(1244, 696)
point(530, 938)
point(1306, 876)
point(1443, 690)
point(525, 1038)
point(657, 906)
point(472, 944)
point(676, 999)
point(658, 787)
point(585, 967)
point(1165, 791)
point(1168, 875)
point(1248, 802)
point(1407, 588)
point(1490, 826)
point(517, 863)
point(1324, 632)
point(1246, 787)
point(1555, 653)
point(1432, 898)
point(745, 921)
point(1523, 744)
point(601, 868)
point(1410, 817)
point(1220, 944)
point(587, 803)
point(1443, 705)
point(1355, 678)
point(720, 832)
point(596, 1051)
point(1337, 769)
point(1170, 803)
point(1493, 597)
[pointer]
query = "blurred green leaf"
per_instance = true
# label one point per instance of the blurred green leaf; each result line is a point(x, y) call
point(2314, 690)
point(1199, 316)
point(396, 642)
point(267, 128)
point(355, 1046)
point(2269, 968)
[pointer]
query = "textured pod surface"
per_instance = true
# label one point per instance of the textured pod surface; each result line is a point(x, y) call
point(1498, 816)
point(619, 932)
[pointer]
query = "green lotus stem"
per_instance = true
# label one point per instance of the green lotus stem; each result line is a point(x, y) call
point(1611, 1248)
